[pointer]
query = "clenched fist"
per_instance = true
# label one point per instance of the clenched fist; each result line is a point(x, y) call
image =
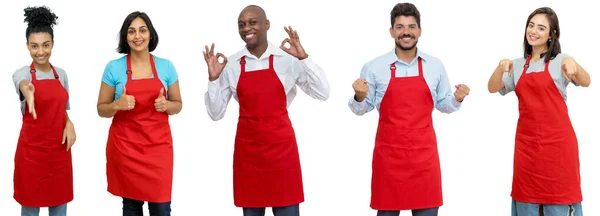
point(461, 92)
point(361, 88)
point(507, 66)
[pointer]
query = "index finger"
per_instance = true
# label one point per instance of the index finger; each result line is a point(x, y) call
point(222, 56)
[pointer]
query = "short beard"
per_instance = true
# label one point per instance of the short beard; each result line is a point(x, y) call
point(399, 45)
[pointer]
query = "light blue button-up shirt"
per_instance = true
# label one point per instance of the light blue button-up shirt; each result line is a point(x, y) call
point(377, 74)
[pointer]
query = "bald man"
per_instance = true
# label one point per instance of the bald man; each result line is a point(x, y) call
point(263, 78)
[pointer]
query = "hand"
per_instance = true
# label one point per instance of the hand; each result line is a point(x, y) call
point(295, 49)
point(461, 92)
point(569, 68)
point(69, 135)
point(507, 66)
point(161, 102)
point(29, 98)
point(214, 66)
point(125, 101)
point(361, 88)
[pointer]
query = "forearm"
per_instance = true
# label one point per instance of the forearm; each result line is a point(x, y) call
point(23, 87)
point(107, 110)
point(495, 83)
point(68, 119)
point(173, 107)
point(582, 77)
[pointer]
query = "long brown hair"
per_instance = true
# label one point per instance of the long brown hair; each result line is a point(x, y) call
point(553, 42)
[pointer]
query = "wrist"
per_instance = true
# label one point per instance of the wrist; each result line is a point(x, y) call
point(114, 106)
point(303, 57)
point(169, 105)
point(359, 98)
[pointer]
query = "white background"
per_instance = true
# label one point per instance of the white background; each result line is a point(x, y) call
point(475, 144)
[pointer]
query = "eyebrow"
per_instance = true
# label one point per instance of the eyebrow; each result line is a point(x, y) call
point(140, 27)
point(37, 43)
point(414, 24)
point(538, 24)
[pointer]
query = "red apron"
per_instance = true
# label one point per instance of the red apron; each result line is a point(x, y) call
point(139, 151)
point(546, 166)
point(43, 170)
point(406, 167)
point(266, 164)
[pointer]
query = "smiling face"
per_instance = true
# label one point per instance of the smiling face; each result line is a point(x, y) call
point(406, 32)
point(538, 31)
point(253, 26)
point(138, 35)
point(40, 47)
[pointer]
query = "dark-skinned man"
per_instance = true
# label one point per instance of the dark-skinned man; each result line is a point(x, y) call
point(263, 78)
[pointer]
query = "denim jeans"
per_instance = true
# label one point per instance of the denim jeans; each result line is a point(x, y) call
point(532, 209)
point(415, 212)
point(60, 210)
point(293, 210)
point(135, 208)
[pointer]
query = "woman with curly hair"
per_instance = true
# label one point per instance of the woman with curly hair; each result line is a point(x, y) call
point(43, 175)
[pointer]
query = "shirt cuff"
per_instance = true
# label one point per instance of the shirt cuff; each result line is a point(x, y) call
point(357, 105)
point(309, 64)
point(457, 104)
point(213, 87)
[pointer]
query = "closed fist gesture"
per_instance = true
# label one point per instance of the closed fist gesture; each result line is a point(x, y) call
point(161, 101)
point(29, 99)
point(361, 88)
point(507, 66)
point(212, 61)
point(461, 92)
point(125, 101)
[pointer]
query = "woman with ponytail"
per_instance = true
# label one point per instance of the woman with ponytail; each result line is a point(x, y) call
point(43, 174)
point(546, 179)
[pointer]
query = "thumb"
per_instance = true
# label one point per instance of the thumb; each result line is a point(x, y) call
point(162, 92)
point(124, 90)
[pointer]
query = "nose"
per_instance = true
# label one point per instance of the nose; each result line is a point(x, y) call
point(137, 35)
point(246, 28)
point(39, 52)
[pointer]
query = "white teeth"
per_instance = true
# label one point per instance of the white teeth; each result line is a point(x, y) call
point(406, 39)
point(248, 36)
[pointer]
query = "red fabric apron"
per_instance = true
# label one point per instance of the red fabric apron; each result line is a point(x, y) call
point(546, 163)
point(139, 151)
point(43, 168)
point(406, 167)
point(266, 164)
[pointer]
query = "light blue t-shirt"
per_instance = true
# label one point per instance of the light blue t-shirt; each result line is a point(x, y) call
point(115, 73)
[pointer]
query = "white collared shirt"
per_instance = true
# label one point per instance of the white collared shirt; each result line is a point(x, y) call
point(290, 70)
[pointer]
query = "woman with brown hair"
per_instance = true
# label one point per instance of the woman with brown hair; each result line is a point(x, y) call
point(546, 179)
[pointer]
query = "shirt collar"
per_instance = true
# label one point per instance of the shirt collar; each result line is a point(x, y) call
point(391, 56)
point(271, 50)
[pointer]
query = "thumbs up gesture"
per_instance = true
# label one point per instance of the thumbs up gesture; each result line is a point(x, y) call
point(125, 101)
point(161, 101)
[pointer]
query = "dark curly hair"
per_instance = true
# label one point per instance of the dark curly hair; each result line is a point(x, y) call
point(39, 20)
point(405, 9)
point(123, 45)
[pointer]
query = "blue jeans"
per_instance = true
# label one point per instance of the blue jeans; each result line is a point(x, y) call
point(532, 209)
point(134, 208)
point(60, 210)
point(415, 212)
point(293, 210)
